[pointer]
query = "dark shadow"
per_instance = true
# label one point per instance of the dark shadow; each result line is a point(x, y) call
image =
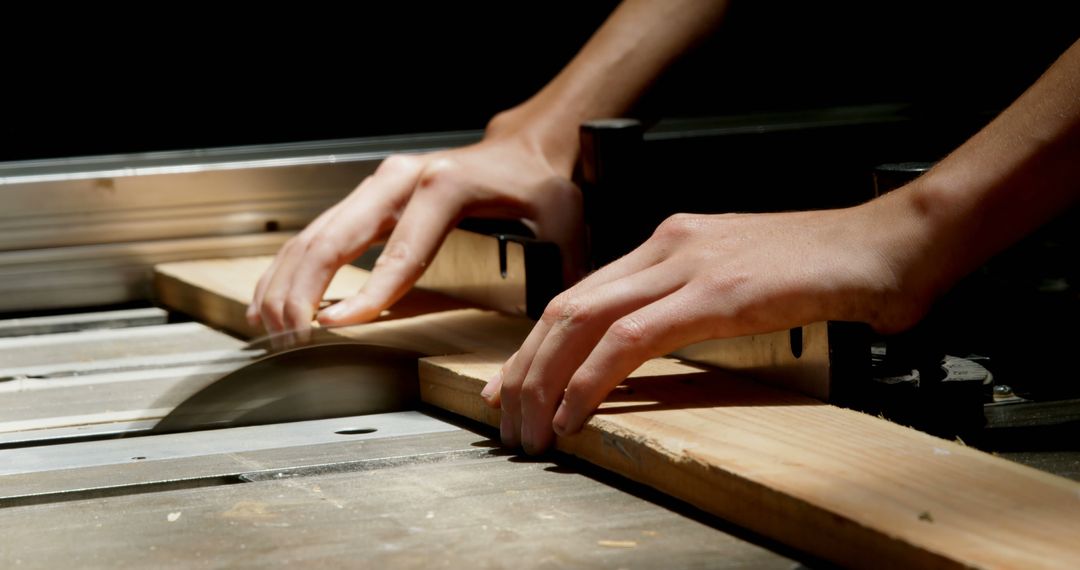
point(1039, 438)
point(696, 390)
point(421, 302)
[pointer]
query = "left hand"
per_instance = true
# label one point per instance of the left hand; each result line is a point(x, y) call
point(700, 277)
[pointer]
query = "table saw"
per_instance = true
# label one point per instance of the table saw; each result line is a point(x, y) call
point(685, 466)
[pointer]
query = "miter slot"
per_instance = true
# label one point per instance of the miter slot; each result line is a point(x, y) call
point(83, 321)
point(231, 440)
point(117, 491)
point(366, 464)
point(61, 369)
point(215, 480)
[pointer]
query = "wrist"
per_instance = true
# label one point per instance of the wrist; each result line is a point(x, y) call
point(542, 130)
point(915, 238)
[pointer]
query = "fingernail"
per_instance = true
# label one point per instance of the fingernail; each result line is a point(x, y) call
point(560, 422)
point(333, 312)
point(489, 390)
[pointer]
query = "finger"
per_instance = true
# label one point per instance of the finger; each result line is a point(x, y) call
point(581, 322)
point(642, 257)
point(270, 314)
point(518, 366)
point(434, 208)
point(254, 318)
point(272, 303)
point(656, 329)
point(492, 389)
point(356, 227)
point(254, 315)
point(511, 378)
point(341, 234)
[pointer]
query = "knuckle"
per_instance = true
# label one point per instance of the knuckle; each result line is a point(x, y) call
point(532, 394)
point(629, 331)
point(299, 242)
point(324, 253)
point(362, 186)
point(290, 244)
point(398, 163)
point(577, 391)
point(395, 254)
point(721, 283)
point(498, 123)
point(566, 311)
point(438, 173)
point(677, 226)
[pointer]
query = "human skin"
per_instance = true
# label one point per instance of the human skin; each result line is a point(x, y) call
point(521, 169)
point(711, 276)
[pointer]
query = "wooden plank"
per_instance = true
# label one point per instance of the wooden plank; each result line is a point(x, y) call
point(842, 485)
point(218, 291)
point(771, 358)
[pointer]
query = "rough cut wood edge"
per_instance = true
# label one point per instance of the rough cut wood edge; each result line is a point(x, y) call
point(885, 496)
point(842, 485)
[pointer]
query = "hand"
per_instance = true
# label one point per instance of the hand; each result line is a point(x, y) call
point(701, 277)
point(416, 200)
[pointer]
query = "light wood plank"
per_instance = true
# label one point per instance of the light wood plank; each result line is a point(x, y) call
point(842, 485)
point(218, 291)
point(768, 358)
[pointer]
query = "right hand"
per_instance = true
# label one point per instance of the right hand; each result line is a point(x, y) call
point(416, 200)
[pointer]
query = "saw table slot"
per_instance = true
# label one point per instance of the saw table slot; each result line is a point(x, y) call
point(83, 321)
point(263, 475)
point(117, 491)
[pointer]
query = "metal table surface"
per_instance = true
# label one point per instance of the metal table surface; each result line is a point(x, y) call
point(406, 489)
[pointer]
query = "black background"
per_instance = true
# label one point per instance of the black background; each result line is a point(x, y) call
point(82, 81)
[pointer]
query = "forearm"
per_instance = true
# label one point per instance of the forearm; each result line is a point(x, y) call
point(618, 64)
point(1013, 176)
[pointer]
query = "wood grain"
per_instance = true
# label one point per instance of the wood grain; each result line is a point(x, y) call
point(848, 487)
point(768, 358)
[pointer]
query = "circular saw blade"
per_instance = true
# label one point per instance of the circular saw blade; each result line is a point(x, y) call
point(333, 378)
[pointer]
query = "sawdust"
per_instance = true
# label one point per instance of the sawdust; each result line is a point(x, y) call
point(617, 543)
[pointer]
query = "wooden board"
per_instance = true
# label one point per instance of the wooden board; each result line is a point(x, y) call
point(218, 292)
point(770, 358)
point(842, 485)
